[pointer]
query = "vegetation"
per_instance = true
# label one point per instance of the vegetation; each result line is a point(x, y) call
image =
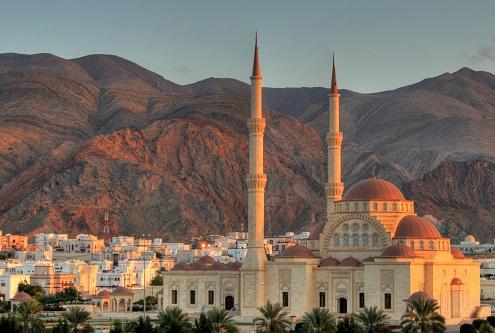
point(486, 328)
point(373, 320)
point(202, 325)
point(29, 321)
point(273, 319)
point(143, 325)
point(478, 322)
point(62, 327)
point(318, 321)
point(491, 320)
point(221, 321)
point(151, 302)
point(348, 325)
point(157, 280)
point(10, 323)
point(173, 320)
point(77, 317)
point(32, 290)
point(467, 328)
point(422, 316)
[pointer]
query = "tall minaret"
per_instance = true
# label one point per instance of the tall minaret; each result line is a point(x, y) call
point(335, 186)
point(253, 267)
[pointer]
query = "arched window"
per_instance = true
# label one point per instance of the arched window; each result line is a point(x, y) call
point(375, 206)
point(347, 206)
point(394, 206)
point(374, 240)
point(356, 206)
point(336, 240)
point(411, 244)
point(402, 206)
point(403, 242)
point(431, 245)
point(421, 245)
point(355, 240)
point(365, 205)
point(355, 227)
point(366, 240)
point(345, 227)
point(366, 227)
point(385, 206)
point(346, 240)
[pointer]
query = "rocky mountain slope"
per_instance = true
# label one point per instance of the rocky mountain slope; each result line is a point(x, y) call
point(82, 136)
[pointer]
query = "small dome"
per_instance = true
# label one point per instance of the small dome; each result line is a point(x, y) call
point(103, 293)
point(122, 291)
point(456, 282)
point(297, 251)
point(374, 189)
point(470, 238)
point(412, 226)
point(419, 295)
point(21, 296)
point(398, 251)
point(234, 266)
point(206, 260)
point(457, 253)
point(315, 233)
point(369, 259)
point(180, 267)
point(351, 262)
point(330, 261)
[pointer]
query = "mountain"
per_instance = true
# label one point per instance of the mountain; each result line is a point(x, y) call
point(83, 136)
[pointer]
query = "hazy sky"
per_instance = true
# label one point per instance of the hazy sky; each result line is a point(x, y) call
point(378, 44)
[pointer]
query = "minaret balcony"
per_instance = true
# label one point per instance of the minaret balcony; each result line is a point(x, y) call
point(256, 125)
point(334, 139)
point(256, 181)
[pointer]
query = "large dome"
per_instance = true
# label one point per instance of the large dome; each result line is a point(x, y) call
point(374, 189)
point(412, 226)
point(398, 251)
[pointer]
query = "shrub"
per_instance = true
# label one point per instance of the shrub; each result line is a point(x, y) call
point(478, 322)
point(491, 320)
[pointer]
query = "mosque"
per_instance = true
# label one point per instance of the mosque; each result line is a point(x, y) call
point(372, 250)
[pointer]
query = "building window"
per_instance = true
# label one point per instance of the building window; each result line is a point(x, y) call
point(347, 206)
point(361, 300)
point(346, 240)
point(323, 299)
point(431, 245)
point(211, 297)
point(336, 240)
point(388, 301)
point(355, 227)
point(394, 206)
point(345, 227)
point(366, 240)
point(411, 244)
point(375, 206)
point(174, 296)
point(374, 240)
point(385, 206)
point(285, 299)
point(355, 240)
point(421, 244)
point(365, 205)
point(192, 297)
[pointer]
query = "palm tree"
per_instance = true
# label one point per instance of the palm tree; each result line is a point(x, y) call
point(28, 317)
point(202, 324)
point(348, 325)
point(486, 328)
point(319, 321)
point(221, 321)
point(273, 319)
point(10, 323)
point(76, 316)
point(173, 320)
point(422, 316)
point(143, 325)
point(373, 320)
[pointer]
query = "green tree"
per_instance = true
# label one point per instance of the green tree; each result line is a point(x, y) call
point(77, 318)
point(202, 325)
point(62, 327)
point(221, 321)
point(373, 320)
point(173, 320)
point(478, 322)
point(32, 290)
point(117, 327)
point(10, 323)
point(319, 321)
point(157, 280)
point(143, 325)
point(348, 325)
point(467, 328)
point(491, 320)
point(28, 317)
point(273, 319)
point(485, 328)
point(422, 316)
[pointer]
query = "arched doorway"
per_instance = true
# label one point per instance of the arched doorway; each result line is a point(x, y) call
point(342, 305)
point(229, 303)
point(456, 289)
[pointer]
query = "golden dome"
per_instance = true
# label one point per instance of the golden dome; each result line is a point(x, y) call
point(412, 226)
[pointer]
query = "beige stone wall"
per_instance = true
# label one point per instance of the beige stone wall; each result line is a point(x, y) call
point(223, 283)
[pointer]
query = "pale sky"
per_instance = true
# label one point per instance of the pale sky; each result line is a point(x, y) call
point(379, 44)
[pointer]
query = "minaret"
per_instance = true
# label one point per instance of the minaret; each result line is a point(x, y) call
point(253, 267)
point(335, 186)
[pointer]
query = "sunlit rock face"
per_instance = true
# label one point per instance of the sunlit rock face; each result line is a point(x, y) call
point(78, 137)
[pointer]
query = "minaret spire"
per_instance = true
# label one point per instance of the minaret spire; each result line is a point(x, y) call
point(335, 186)
point(333, 86)
point(253, 267)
